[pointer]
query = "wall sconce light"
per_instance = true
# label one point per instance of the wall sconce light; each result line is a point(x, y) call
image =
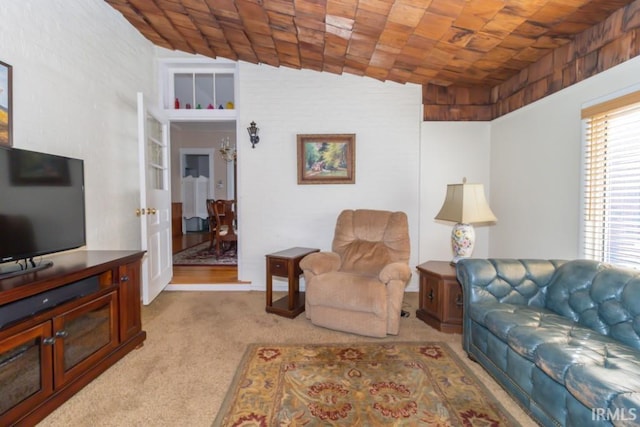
point(253, 134)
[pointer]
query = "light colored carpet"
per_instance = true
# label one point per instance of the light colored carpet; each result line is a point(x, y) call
point(195, 341)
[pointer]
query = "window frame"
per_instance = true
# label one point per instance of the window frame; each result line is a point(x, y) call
point(612, 106)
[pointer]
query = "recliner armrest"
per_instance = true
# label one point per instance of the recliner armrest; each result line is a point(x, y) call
point(320, 263)
point(395, 271)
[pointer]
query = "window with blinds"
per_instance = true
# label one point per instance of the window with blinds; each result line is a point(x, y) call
point(612, 181)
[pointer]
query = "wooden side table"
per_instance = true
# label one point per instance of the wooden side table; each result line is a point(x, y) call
point(440, 298)
point(286, 264)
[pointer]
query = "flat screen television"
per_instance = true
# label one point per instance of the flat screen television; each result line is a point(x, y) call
point(41, 205)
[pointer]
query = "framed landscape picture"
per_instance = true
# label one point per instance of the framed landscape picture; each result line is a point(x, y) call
point(5, 105)
point(327, 159)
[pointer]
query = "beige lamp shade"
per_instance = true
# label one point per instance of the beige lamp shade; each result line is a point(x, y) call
point(466, 204)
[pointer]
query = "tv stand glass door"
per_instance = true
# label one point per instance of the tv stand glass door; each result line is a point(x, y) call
point(83, 335)
point(25, 369)
point(79, 338)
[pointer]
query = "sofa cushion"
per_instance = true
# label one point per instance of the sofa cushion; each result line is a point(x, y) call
point(594, 368)
point(367, 240)
point(364, 257)
point(628, 405)
point(525, 340)
point(523, 328)
point(596, 386)
point(556, 358)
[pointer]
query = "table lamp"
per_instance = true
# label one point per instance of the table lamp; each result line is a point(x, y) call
point(465, 205)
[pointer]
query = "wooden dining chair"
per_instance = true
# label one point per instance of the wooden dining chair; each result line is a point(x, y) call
point(212, 222)
point(224, 211)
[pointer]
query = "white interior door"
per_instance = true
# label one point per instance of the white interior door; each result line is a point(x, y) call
point(155, 201)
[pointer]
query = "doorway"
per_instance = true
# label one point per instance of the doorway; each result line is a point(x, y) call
point(199, 173)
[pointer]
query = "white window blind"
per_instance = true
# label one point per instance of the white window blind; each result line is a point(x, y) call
point(612, 182)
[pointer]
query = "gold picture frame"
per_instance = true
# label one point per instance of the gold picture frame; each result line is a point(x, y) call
point(6, 112)
point(326, 158)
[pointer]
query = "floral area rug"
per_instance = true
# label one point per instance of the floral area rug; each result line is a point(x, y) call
point(201, 255)
point(389, 384)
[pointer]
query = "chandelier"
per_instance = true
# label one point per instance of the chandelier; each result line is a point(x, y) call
point(227, 152)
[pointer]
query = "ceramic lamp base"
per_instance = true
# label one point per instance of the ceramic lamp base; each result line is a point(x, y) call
point(463, 237)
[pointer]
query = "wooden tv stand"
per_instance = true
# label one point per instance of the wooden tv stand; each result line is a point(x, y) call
point(91, 320)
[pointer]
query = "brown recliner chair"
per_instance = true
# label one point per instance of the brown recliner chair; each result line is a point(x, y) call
point(359, 286)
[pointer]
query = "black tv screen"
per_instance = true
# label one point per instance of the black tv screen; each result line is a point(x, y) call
point(41, 204)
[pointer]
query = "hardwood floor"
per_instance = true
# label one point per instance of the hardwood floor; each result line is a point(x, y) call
point(188, 240)
point(198, 274)
point(204, 275)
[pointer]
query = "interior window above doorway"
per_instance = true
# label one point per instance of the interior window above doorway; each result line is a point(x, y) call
point(198, 89)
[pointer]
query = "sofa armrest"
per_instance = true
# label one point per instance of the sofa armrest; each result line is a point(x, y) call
point(319, 263)
point(395, 271)
point(395, 276)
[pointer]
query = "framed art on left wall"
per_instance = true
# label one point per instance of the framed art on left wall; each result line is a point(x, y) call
point(6, 113)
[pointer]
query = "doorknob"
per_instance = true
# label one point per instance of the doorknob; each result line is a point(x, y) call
point(148, 211)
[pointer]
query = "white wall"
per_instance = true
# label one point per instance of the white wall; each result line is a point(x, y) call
point(536, 169)
point(451, 151)
point(277, 213)
point(77, 65)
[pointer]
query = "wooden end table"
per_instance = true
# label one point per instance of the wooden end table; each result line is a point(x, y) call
point(286, 264)
point(440, 298)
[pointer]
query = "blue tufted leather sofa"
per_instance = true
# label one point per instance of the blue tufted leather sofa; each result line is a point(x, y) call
point(562, 337)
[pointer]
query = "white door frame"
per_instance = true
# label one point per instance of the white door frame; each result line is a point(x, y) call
point(231, 182)
point(199, 152)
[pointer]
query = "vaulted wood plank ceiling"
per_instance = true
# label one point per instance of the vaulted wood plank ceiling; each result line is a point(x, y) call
point(459, 43)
